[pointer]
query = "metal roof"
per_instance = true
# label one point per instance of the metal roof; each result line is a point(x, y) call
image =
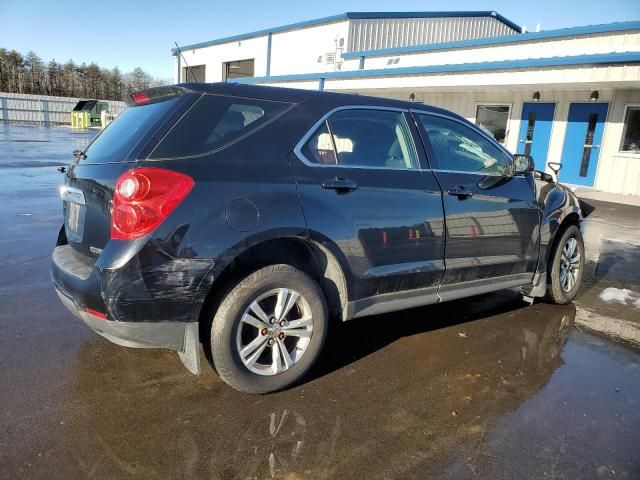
point(524, 37)
point(349, 16)
point(596, 59)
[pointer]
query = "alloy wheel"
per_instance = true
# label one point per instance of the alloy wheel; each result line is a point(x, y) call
point(274, 331)
point(569, 264)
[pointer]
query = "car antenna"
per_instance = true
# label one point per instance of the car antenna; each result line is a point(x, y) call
point(185, 62)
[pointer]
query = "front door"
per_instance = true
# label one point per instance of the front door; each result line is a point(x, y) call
point(535, 131)
point(582, 143)
point(491, 216)
point(363, 191)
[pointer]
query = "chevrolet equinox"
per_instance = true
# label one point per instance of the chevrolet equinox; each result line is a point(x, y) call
point(246, 217)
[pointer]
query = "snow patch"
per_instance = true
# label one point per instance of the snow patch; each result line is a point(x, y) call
point(620, 295)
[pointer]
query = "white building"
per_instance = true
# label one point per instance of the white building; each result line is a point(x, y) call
point(570, 96)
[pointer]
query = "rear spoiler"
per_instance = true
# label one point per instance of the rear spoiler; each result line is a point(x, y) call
point(153, 95)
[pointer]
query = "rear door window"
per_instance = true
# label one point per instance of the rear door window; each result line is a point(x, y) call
point(214, 122)
point(363, 138)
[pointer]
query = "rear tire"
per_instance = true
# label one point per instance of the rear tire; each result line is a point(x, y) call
point(566, 265)
point(269, 330)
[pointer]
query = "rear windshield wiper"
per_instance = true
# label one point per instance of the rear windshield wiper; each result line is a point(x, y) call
point(79, 154)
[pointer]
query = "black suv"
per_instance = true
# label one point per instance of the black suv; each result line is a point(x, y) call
point(247, 217)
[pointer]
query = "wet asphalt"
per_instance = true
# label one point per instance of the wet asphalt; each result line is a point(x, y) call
point(488, 387)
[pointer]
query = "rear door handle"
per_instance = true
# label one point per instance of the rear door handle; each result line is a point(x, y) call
point(460, 192)
point(340, 185)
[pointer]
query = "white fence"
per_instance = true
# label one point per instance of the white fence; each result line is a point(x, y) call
point(17, 107)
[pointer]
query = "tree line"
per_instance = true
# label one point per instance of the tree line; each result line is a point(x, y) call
point(30, 74)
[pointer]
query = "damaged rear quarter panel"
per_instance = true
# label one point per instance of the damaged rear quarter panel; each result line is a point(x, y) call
point(153, 286)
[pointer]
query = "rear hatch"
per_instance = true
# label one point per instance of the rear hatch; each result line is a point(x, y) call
point(88, 189)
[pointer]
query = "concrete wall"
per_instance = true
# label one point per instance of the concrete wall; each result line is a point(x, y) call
point(297, 51)
point(17, 107)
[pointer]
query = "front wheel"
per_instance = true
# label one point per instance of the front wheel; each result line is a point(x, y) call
point(269, 330)
point(566, 266)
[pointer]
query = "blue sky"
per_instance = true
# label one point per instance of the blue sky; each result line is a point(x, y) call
point(141, 32)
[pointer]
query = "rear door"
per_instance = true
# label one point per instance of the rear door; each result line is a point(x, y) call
point(363, 189)
point(491, 215)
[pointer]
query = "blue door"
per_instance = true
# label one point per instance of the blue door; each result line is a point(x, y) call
point(582, 143)
point(535, 131)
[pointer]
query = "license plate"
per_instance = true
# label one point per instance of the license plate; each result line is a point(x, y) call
point(74, 212)
point(73, 220)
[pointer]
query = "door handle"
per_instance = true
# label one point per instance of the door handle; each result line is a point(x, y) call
point(460, 192)
point(340, 185)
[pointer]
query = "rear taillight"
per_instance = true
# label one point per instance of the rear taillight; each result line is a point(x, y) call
point(143, 198)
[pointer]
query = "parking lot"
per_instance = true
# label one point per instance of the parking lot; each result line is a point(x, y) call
point(484, 388)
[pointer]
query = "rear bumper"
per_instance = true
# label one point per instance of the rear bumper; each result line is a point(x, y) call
point(179, 336)
point(79, 288)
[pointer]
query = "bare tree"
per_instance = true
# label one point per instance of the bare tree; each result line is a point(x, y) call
point(30, 74)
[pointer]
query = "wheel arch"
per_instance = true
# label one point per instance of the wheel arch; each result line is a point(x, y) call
point(318, 259)
point(560, 208)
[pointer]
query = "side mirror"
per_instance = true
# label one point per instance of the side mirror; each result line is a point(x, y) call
point(522, 164)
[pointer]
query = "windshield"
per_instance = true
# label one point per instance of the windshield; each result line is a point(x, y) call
point(116, 142)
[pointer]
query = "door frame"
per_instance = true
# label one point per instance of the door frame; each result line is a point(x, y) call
point(604, 131)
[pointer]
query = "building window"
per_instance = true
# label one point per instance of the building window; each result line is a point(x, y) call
point(194, 74)
point(631, 131)
point(237, 69)
point(493, 119)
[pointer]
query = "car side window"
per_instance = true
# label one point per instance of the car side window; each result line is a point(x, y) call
point(319, 148)
point(363, 138)
point(459, 148)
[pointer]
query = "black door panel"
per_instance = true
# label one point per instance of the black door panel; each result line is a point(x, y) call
point(491, 216)
point(373, 200)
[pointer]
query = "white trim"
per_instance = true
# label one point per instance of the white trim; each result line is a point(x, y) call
point(495, 104)
point(626, 155)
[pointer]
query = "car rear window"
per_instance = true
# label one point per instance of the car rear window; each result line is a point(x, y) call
point(119, 138)
point(214, 122)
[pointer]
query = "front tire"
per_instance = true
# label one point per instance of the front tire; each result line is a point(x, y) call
point(269, 330)
point(565, 267)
